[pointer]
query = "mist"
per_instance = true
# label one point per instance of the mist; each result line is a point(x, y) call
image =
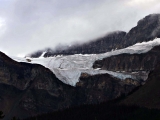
point(31, 25)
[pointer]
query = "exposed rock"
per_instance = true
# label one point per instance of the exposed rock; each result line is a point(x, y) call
point(148, 94)
point(131, 82)
point(131, 62)
point(147, 29)
point(33, 89)
point(84, 75)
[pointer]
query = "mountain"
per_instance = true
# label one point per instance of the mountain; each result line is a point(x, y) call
point(131, 62)
point(147, 95)
point(31, 86)
point(147, 29)
point(142, 103)
point(30, 89)
point(69, 68)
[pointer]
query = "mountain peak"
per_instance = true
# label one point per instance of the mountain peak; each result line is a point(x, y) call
point(150, 19)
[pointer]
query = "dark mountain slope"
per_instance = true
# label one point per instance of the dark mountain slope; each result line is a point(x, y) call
point(28, 89)
point(146, 99)
point(149, 94)
point(101, 111)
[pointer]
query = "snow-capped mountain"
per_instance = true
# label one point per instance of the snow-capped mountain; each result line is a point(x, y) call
point(147, 29)
point(44, 82)
point(68, 69)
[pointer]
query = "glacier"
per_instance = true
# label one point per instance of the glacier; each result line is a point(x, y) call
point(69, 68)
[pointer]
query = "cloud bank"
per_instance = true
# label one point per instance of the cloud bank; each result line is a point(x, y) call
point(30, 25)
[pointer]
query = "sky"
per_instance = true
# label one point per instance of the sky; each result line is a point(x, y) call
point(30, 25)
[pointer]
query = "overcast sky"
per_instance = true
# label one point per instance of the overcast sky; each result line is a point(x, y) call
point(30, 25)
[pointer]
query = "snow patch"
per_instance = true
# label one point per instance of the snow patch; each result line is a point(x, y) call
point(42, 55)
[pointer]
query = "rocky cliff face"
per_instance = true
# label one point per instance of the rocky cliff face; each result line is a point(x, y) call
point(147, 29)
point(147, 95)
point(27, 89)
point(131, 62)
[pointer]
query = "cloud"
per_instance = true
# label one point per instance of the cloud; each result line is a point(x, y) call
point(142, 2)
point(31, 25)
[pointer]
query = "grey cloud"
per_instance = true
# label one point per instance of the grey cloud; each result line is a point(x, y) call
point(36, 24)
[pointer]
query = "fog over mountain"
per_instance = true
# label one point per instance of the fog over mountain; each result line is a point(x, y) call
point(27, 26)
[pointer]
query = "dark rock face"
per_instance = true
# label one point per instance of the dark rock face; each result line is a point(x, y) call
point(148, 94)
point(147, 29)
point(103, 87)
point(27, 89)
point(131, 62)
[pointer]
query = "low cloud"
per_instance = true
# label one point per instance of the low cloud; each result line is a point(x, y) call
point(31, 25)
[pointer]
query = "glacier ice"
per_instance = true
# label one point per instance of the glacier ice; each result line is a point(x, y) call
point(68, 69)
